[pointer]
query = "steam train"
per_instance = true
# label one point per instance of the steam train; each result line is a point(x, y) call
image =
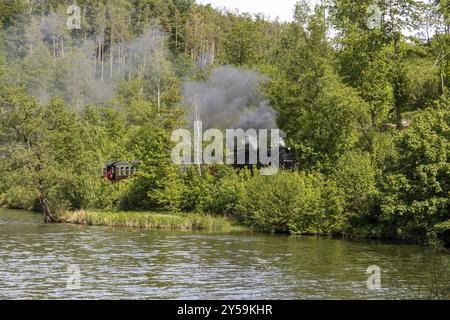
point(288, 159)
point(115, 171)
point(119, 170)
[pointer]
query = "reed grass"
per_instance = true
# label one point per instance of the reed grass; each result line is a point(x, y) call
point(152, 220)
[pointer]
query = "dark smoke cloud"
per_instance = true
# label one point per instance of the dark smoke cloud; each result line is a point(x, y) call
point(230, 98)
point(261, 118)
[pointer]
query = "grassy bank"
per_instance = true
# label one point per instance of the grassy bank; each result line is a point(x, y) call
point(152, 220)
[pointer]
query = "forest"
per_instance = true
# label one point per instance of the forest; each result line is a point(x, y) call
point(361, 95)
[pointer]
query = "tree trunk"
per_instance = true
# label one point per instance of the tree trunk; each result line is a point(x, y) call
point(398, 111)
point(176, 35)
point(111, 62)
point(54, 47)
point(97, 57)
point(48, 215)
point(103, 60)
point(159, 97)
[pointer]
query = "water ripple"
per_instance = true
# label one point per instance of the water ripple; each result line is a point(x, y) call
point(139, 264)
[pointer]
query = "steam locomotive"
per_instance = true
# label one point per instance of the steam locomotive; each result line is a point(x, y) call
point(288, 159)
point(119, 170)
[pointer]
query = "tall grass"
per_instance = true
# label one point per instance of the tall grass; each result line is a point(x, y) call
point(151, 220)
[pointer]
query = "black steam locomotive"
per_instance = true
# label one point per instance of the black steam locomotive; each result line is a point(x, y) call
point(288, 159)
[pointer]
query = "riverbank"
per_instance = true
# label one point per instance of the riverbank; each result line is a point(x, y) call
point(152, 220)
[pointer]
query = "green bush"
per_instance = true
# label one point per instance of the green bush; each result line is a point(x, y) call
point(227, 189)
point(17, 198)
point(291, 202)
point(355, 177)
point(167, 193)
point(198, 190)
point(415, 199)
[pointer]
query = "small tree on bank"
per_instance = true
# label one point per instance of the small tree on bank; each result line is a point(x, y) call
point(41, 148)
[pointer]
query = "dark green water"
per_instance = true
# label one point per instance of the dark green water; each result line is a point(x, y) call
point(140, 264)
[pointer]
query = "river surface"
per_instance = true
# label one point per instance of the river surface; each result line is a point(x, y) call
point(40, 261)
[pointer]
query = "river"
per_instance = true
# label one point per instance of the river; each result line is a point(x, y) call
point(36, 261)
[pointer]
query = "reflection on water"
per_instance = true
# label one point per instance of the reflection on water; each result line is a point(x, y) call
point(144, 264)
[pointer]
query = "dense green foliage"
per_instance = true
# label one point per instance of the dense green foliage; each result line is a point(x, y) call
point(367, 111)
point(416, 186)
